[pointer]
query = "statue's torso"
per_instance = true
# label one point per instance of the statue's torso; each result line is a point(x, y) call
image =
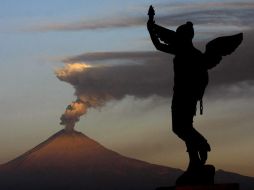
point(191, 76)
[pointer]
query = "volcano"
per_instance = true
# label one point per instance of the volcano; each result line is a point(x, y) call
point(69, 160)
point(73, 161)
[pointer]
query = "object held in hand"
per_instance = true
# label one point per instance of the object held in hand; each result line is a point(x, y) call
point(151, 13)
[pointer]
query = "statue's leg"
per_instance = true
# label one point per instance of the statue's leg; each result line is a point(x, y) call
point(194, 160)
point(196, 142)
point(182, 127)
point(182, 122)
point(183, 111)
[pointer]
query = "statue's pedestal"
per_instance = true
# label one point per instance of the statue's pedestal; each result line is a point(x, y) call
point(202, 175)
point(230, 186)
point(233, 186)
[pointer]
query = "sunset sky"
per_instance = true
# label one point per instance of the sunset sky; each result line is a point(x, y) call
point(127, 76)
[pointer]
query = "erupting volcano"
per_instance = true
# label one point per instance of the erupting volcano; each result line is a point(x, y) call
point(71, 160)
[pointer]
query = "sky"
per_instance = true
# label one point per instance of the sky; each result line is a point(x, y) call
point(40, 39)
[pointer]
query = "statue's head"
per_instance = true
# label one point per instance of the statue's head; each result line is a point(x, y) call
point(185, 31)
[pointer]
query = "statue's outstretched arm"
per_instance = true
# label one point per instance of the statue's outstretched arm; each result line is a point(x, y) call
point(159, 33)
point(155, 35)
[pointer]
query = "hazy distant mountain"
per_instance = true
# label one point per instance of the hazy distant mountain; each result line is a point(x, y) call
point(75, 162)
point(246, 183)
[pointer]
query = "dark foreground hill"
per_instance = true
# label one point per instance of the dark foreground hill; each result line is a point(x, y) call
point(73, 161)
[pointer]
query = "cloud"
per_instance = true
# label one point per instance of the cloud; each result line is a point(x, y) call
point(218, 17)
point(71, 69)
point(220, 14)
point(105, 23)
point(96, 85)
point(150, 72)
point(124, 56)
point(145, 74)
point(117, 81)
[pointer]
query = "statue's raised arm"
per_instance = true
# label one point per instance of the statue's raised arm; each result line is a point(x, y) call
point(162, 38)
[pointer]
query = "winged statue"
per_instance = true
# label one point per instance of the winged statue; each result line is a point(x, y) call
point(190, 80)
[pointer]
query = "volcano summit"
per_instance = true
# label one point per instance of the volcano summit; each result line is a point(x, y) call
point(73, 161)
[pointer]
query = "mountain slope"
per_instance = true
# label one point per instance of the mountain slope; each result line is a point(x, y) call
point(246, 183)
point(74, 161)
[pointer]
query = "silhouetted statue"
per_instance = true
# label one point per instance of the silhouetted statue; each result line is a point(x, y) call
point(190, 80)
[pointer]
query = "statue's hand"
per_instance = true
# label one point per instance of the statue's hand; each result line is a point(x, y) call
point(151, 11)
point(150, 25)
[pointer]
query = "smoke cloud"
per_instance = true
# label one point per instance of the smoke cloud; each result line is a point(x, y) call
point(80, 106)
point(72, 114)
point(114, 75)
point(94, 86)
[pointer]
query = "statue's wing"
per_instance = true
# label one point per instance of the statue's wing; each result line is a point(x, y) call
point(165, 35)
point(221, 46)
point(224, 45)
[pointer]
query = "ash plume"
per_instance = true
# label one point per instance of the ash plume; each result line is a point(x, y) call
point(79, 107)
point(95, 85)
point(72, 114)
point(114, 75)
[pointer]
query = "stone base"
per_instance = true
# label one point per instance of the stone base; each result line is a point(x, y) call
point(199, 176)
point(166, 188)
point(231, 186)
